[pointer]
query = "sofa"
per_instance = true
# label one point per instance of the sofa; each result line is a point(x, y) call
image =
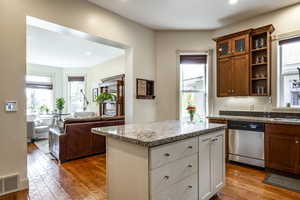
point(75, 139)
point(38, 126)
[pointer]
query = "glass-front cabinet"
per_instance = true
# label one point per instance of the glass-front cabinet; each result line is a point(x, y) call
point(240, 45)
point(224, 48)
point(233, 46)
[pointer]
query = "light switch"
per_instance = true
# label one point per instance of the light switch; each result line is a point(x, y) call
point(11, 106)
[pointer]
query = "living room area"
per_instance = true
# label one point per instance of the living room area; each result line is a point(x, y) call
point(73, 83)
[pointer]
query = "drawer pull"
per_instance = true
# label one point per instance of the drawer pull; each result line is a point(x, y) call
point(190, 165)
point(190, 187)
point(205, 140)
point(167, 154)
point(214, 140)
point(166, 177)
point(190, 147)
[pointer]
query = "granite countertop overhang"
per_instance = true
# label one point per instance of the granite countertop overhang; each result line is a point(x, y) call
point(267, 120)
point(158, 133)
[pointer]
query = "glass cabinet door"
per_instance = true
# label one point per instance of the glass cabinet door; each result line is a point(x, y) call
point(240, 44)
point(224, 48)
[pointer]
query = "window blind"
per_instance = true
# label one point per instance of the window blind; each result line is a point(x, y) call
point(290, 40)
point(48, 86)
point(76, 78)
point(193, 59)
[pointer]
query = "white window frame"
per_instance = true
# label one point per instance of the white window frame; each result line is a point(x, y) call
point(67, 85)
point(280, 76)
point(179, 79)
point(53, 81)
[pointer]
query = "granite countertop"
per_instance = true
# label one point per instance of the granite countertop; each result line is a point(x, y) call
point(157, 133)
point(289, 121)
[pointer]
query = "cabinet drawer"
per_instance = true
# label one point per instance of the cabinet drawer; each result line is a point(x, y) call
point(183, 190)
point(161, 178)
point(273, 129)
point(162, 155)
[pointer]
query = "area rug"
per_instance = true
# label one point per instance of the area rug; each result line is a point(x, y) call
point(283, 182)
point(43, 145)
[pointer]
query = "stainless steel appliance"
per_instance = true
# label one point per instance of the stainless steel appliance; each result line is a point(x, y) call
point(246, 142)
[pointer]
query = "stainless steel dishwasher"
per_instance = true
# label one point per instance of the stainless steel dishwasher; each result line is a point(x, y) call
point(246, 142)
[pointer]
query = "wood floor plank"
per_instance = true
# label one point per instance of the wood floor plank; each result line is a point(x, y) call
point(85, 179)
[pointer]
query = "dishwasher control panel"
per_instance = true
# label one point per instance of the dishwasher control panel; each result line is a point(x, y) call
point(247, 126)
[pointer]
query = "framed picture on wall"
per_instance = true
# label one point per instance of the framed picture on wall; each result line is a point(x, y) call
point(95, 93)
point(144, 89)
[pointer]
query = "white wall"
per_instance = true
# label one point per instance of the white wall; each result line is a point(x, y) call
point(76, 14)
point(113, 67)
point(168, 43)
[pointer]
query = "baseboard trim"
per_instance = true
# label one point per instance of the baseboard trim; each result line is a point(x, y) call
point(24, 184)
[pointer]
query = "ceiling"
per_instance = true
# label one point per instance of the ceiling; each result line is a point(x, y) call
point(56, 49)
point(190, 14)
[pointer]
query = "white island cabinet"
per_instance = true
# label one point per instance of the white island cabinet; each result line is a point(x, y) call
point(168, 160)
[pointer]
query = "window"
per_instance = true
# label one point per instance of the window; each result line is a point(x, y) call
point(289, 72)
point(193, 85)
point(39, 94)
point(76, 88)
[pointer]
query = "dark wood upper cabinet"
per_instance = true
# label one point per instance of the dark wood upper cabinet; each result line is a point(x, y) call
point(282, 148)
point(225, 77)
point(240, 79)
point(233, 76)
point(237, 53)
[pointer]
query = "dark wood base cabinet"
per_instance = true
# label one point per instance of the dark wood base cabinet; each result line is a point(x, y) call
point(282, 148)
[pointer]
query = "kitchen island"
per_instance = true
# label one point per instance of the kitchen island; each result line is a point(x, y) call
point(169, 160)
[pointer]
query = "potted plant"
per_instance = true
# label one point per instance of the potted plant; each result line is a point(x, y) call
point(102, 98)
point(60, 104)
point(44, 109)
point(191, 110)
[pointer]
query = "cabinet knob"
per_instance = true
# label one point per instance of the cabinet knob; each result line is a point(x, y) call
point(167, 154)
point(166, 177)
point(297, 141)
point(190, 147)
point(232, 90)
point(190, 165)
point(190, 187)
point(214, 140)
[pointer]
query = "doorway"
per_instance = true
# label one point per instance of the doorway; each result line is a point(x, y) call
point(65, 72)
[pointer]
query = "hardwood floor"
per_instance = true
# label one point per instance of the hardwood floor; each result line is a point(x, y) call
point(84, 179)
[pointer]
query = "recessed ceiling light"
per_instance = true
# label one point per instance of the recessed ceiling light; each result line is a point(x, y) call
point(232, 2)
point(88, 53)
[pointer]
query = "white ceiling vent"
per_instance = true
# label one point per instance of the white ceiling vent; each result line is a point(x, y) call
point(9, 184)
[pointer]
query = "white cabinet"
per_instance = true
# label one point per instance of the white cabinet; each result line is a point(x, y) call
point(168, 153)
point(190, 169)
point(211, 164)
